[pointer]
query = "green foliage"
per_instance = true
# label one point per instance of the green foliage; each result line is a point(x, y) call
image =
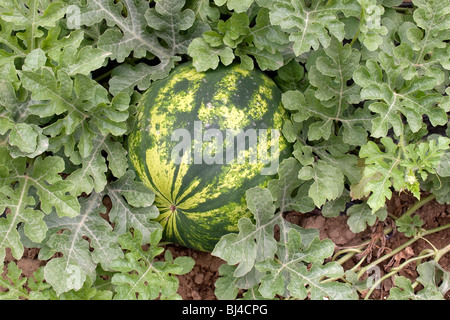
point(366, 85)
point(277, 268)
point(433, 278)
point(409, 225)
point(397, 167)
point(13, 283)
point(139, 277)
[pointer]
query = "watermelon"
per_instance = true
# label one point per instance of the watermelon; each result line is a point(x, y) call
point(200, 140)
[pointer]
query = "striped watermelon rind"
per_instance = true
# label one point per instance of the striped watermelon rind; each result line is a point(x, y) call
point(201, 202)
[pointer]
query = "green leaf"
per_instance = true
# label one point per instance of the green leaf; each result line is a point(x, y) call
point(34, 60)
point(291, 273)
point(89, 119)
point(139, 276)
point(22, 188)
point(380, 173)
point(432, 274)
point(409, 225)
point(204, 10)
point(164, 31)
point(239, 6)
point(226, 285)
point(289, 192)
point(92, 173)
point(82, 101)
point(265, 59)
point(319, 291)
point(234, 29)
point(261, 41)
point(330, 71)
point(174, 25)
point(313, 25)
point(423, 49)
point(24, 139)
point(411, 99)
point(71, 271)
point(81, 61)
point(130, 33)
point(206, 57)
point(328, 183)
point(425, 157)
point(305, 105)
point(40, 289)
point(79, 262)
point(57, 39)
point(13, 284)
point(404, 291)
point(383, 169)
point(93, 237)
point(30, 18)
point(443, 168)
point(333, 208)
point(255, 241)
point(265, 36)
point(439, 187)
point(371, 31)
point(132, 206)
point(87, 292)
point(260, 203)
point(289, 76)
point(361, 216)
point(126, 78)
point(242, 248)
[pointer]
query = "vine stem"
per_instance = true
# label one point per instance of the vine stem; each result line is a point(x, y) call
point(441, 253)
point(403, 9)
point(394, 271)
point(400, 248)
point(410, 211)
point(417, 205)
point(359, 29)
point(103, 75)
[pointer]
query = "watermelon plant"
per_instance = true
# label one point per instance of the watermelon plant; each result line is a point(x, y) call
point(92, 94)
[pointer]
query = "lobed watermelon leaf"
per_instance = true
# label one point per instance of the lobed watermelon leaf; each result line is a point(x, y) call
point(173, 25)
point(22, 188)
point(433, 278)
point(371, 31)
point(276, 268)
point(13, 284)
point(383, 170)
point(139, 277)
point(303, 279)
point(312, 25)
point(235, 37)
point(131, 207)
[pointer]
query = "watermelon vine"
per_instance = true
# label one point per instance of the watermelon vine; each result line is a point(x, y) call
point(366, 86)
